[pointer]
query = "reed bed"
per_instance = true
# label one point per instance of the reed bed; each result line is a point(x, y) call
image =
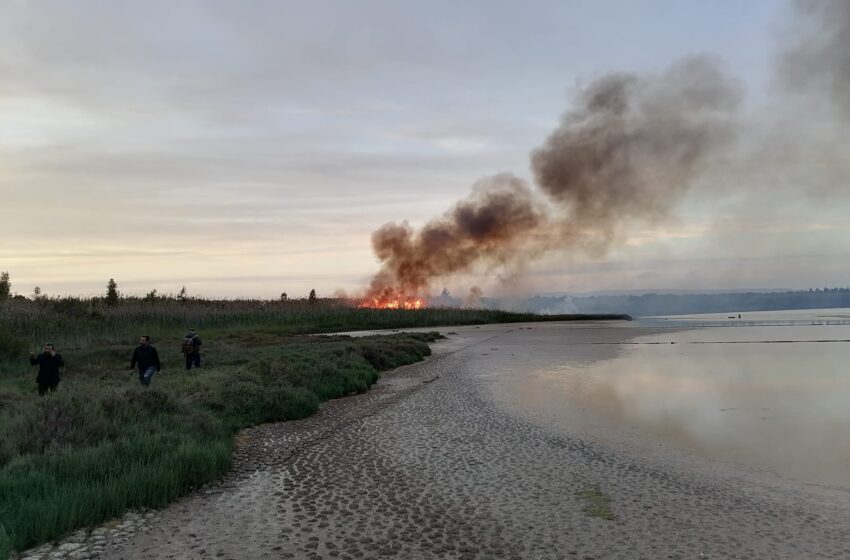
point(80, 323)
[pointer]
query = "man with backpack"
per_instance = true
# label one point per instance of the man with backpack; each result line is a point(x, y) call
point(191, 348)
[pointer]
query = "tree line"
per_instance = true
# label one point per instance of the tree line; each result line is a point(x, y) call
point(682, 304)
point(113, 295)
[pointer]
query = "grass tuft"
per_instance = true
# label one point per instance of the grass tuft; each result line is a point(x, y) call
point(598, 504)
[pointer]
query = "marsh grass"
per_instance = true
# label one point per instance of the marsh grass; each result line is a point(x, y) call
point(102, 444)
point(89, 323)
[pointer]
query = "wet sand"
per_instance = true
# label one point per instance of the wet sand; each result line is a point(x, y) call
point(435, 463)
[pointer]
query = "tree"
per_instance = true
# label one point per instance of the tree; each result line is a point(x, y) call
point(151, 295)
point(312, 297)
point(5, 286)
point(183, 296)
point(111, 292)
point(36, 293)
point(283, 296)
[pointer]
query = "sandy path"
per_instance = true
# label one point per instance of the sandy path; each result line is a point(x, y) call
point(426, 465)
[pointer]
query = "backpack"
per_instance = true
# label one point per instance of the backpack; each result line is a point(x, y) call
point(188, 345)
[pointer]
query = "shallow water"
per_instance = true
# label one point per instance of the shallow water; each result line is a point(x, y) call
point(791, 317)
point(773, 397)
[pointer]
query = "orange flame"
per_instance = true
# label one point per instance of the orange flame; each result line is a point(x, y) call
point(393, 302)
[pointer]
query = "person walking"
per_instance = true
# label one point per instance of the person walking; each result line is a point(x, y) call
point(147, 358)
point(191, 348)
point(49, 364)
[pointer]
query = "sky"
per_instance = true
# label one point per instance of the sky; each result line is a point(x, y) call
point(244, 149)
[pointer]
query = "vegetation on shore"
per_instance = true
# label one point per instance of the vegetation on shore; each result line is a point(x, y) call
point(102, 444)
point(89, 322)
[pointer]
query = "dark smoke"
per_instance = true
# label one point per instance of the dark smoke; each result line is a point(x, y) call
point(499, 217)
point(626, 153)
point(633, 146)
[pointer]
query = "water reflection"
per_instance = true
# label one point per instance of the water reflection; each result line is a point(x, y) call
point(795, 317)
point(728, 393)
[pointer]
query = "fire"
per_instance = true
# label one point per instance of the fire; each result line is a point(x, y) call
point(393, 302)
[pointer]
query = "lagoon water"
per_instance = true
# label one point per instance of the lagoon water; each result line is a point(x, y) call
point(769, 391)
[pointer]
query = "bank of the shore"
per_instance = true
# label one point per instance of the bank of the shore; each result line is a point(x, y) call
point(103, 445)
point(428, 464)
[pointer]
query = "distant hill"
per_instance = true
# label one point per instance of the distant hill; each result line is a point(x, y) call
point(678, 291)
point(681, 303)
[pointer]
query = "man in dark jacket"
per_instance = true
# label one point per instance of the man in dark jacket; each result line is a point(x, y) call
point(147, 359)
point(192, 349)
point(49, 363)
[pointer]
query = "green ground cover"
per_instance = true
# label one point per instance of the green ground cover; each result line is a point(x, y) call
point(102, 444)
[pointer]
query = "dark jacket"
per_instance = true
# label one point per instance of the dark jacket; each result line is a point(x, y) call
point(145, 356)
point(48, 368)
point(196, 341)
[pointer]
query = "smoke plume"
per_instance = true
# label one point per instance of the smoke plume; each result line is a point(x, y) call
point(633, 146)
point(816, 64)
point(500, 216)
point(626, 153)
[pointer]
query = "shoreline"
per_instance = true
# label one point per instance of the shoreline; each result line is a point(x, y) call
point(257, 449)
point(414, 454)
point(181, 431)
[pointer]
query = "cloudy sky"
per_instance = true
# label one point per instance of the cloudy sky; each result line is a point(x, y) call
point(250, 148)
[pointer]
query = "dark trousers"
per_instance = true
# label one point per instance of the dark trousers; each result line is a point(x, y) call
point(44, 387)
point(193, 358)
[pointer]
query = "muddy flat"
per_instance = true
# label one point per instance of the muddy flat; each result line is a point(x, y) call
point(478, 453)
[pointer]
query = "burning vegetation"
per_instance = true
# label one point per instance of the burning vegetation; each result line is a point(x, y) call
point(399, 301)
